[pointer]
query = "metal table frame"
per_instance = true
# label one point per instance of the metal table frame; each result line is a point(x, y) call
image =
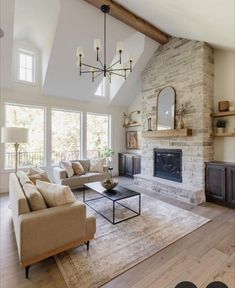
point(113, 221)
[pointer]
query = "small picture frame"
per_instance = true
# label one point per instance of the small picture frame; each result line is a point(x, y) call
point(132, 141)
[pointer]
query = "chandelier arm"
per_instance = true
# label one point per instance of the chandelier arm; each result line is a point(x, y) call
point(90, 66)
point(118, 74)
point(121, 69)
point(113, 65)
point(95, 71)
point(97, 75)
point(100, 63)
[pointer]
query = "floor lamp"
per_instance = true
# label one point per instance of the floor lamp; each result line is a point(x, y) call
point(14, 135)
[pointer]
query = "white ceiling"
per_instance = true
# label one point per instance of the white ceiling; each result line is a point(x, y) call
point(57, 27)
point(211, 21)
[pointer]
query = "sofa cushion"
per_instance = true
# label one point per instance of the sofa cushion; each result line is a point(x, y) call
point(34, 170)
point(23, 178)
point(85, 164)
point(34, 197)
point(97, 165)
point(43, 176)
point(78, 168)
point(55, 194)
point(67, 166)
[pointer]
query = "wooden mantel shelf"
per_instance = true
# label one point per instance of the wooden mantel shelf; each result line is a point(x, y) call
point(223, 114)
point(167, 133)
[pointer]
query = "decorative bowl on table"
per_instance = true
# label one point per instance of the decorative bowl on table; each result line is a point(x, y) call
point(109, 184)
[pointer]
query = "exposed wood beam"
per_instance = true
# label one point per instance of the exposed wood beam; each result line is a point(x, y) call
point(134, 21)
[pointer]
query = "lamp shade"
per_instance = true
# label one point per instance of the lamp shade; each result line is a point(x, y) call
point(14, 135)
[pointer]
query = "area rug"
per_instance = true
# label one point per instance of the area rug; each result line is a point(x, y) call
point(119, 247)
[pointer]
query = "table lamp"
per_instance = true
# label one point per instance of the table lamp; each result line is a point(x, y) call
point(14, 135)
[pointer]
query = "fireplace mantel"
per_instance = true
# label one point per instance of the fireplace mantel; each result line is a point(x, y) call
point(167, 133)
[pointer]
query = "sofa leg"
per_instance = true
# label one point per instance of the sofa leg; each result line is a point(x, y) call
point(87, 245)
point(27, 272)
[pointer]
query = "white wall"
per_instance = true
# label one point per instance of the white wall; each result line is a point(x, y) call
point(224, 89)
point(31, 95)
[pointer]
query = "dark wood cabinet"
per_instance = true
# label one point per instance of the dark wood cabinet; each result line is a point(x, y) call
point(220, 182)
point(129, 164)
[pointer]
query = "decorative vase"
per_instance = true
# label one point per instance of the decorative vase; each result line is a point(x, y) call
point(180, 122)
point(127, 121)
point(109, 184)
point(220, 130)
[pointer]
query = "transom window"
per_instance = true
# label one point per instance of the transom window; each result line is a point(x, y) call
point(26, 68)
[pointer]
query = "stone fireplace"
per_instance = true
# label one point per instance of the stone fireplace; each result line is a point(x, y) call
point(167, 164)
point(188, 67)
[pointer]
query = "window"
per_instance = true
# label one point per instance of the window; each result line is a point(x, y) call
point(66, 135)
point(32, 118)
point(98, 134)
point(26, 67)
point(100, 92)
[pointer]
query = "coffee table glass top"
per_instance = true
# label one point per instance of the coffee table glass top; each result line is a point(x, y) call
point(116, 194)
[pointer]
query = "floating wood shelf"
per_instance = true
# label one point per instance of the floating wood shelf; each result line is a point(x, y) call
point(132, 125)
point(167, 133)
point(223, 114)
point(225, 134)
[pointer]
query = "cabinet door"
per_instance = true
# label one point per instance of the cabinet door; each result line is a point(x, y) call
point(231, 185)
point(121, 164)
point(136, 165)
point(215, 182)
point(129, 165)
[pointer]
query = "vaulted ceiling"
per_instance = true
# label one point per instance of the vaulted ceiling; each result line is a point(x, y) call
point(57, 27)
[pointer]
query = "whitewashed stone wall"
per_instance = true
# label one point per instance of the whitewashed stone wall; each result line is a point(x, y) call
point(187, 66)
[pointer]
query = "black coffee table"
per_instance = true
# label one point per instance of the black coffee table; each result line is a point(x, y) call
point(117, 194)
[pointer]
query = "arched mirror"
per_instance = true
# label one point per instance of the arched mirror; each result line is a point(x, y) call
point(166, 109)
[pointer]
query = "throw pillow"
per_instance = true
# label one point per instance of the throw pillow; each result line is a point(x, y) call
point(34, 197)
point(34, 170)
point(97, 165)
point(67, 166)
point(78, 169)
point(55, 194)
point(85, 164)
point(23, 178)
point(40, 176)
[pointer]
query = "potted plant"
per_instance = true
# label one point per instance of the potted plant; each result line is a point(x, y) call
point(181, 112)
point(108, 153)
point(221, 124)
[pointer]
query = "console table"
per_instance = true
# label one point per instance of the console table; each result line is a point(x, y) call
point(129, 164)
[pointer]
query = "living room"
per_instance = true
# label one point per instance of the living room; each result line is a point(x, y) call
point(156, 145)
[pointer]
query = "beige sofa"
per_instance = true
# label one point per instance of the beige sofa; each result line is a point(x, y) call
point(46, 232)
point(60, 176)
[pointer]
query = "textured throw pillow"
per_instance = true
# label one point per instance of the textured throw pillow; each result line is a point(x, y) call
point(23, 178)
point(55, 194)
point(40, 176)
point(67, 166)
point(97, 165)
point(85, 164)
point(34, 170)
point(78, 168)
point(34, 197)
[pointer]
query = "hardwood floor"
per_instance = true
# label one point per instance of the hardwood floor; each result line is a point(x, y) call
point(205, 255)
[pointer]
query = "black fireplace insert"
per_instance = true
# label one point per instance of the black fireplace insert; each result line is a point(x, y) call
point(168, 164)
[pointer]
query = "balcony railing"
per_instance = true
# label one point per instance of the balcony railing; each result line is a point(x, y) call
point(27, 159)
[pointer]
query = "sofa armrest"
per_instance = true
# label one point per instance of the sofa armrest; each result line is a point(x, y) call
point(58, 174)
point(46, 230)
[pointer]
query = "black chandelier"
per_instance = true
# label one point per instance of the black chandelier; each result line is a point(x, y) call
point(102, 68)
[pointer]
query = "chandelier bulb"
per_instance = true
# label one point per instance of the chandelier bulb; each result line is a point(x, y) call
point(80, 52)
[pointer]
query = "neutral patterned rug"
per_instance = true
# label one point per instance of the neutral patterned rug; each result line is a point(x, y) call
point(119, 247)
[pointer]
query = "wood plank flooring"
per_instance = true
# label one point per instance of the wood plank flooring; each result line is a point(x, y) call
point(205, 255)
